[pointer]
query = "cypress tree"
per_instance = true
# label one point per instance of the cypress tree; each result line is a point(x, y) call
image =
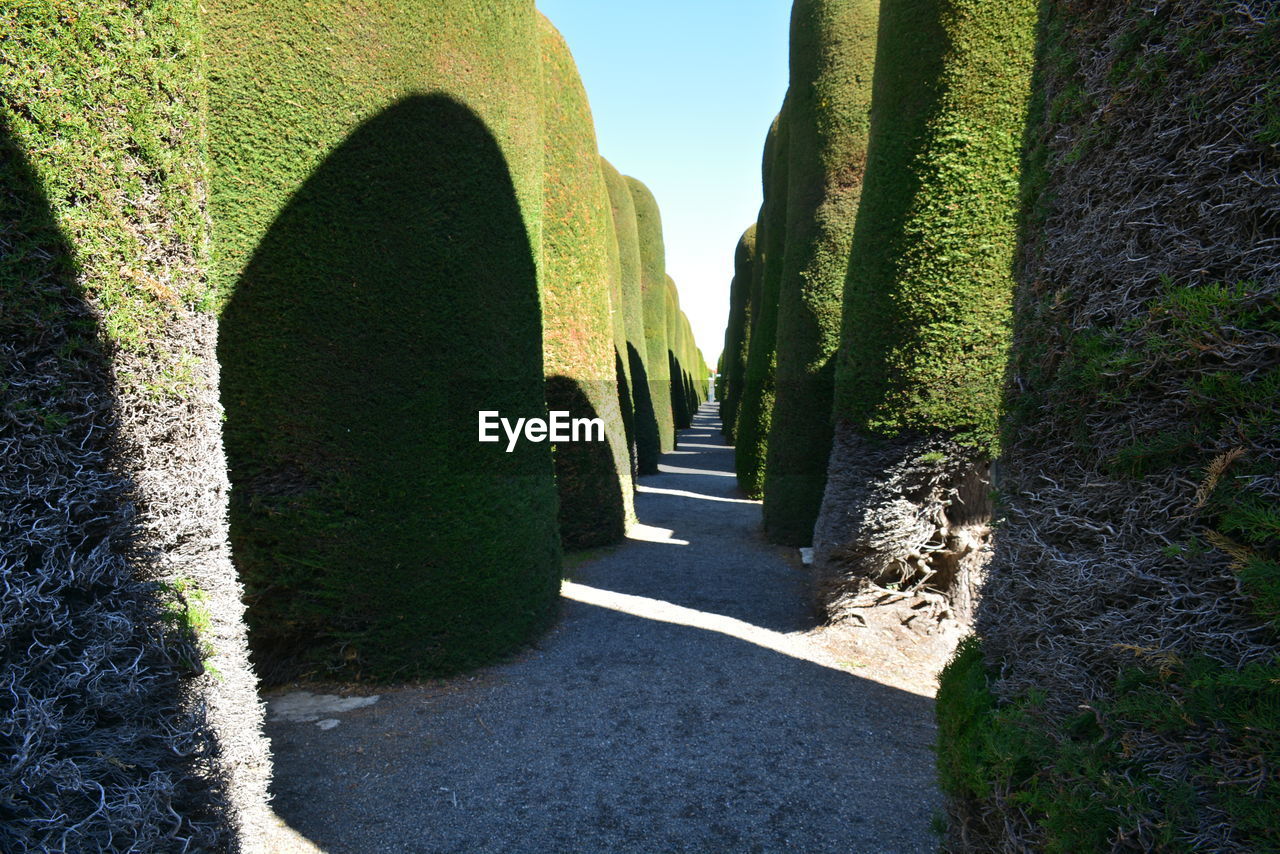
point(622, 367)
point(927, 300)
point(1136, 568)
point(593, 479)
point(636, 352)
point(653, 281)
point(832, 52)
point(378, 263)
point(676, 358)
point(736, 331)
point(691, 360)
point(130, 715)
point(755, 411)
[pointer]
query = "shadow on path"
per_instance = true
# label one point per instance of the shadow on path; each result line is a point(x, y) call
point(676, 707)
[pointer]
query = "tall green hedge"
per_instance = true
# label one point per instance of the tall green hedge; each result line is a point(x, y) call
point(618, 315)
point(378, 258)
point(676, 358)
point(653, 282)
point(1140, 467)
point(593, 478)
point(833, 46)
point(129, 719)
point(636, 352)
point(736, 334)
point(927, 305)
point(755, 411)
point(691, 361)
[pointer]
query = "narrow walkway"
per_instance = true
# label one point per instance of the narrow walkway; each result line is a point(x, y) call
point(676, 708)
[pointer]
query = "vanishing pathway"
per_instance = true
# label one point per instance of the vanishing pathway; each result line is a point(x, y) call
point(676, 708)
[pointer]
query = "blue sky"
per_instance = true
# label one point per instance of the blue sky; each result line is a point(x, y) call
point(683, 92)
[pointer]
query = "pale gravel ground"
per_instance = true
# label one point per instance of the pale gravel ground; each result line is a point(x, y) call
point(715, 725)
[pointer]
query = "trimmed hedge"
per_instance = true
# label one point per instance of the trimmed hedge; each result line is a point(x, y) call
point(692, 360)
point(832, 54)
point(593, 479)
point(680, 414)
point(927, 307)
point(636, 352)
point(124, 678)
point(653, 281)
point(736, 334)
point(755, 411)
point(618, 315)
point(378, 259)
point(1125, 693)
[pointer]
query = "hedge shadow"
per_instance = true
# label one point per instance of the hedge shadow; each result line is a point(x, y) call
point(394, 297)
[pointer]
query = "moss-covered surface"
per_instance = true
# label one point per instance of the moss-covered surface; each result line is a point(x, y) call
point(109, 413)
point(653, 284)
point(736, 334)
point(1126, 691)
point(833, 45)
point(755, 412)
point(377, 204)
point(593, 479)
point(927, 315)
point(635, 353)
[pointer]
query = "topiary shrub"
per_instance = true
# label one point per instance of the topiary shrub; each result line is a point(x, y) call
point(756, 408)
point(927, 306)
point(832, 53)
point(680, 414)
point(381, 284)
point(593, 479)
point(635, 354)
point(1129, 618)
point(736, 333)
point(653, 283)
point(129, 719)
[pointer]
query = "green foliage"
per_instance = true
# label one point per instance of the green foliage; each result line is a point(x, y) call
point(755, 411)
point(635, 352)
point(653, 284)
point(617, 310)
point(593, 478)
point(833, 45)
point(927, 308)
point(1084, 782)
point(676, 359)
point(110, 106)
point(737, 332)
point(186, 610)
point(1162, 387)
point(377, 261)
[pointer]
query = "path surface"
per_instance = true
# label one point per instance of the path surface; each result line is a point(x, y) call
point(678, 707)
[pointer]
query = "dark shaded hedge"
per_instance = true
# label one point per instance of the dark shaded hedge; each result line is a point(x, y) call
point(378, 265)
point(833, 45)
point(736, 334)
point(1125, 691)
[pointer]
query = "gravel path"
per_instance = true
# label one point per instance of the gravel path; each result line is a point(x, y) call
point(678, 707)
